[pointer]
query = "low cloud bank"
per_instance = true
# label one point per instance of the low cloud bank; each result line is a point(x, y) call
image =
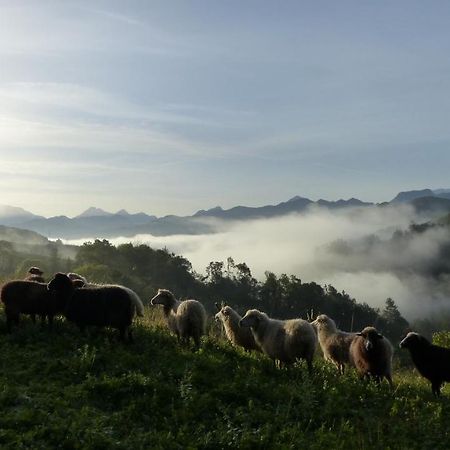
point(351, 249)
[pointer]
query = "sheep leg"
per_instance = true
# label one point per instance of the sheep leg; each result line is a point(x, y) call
point(130, 335)
point(436, 388)
point(197, 341)
point(310, 366)
point(50, 321)
point(9, 320)
point(389, 379)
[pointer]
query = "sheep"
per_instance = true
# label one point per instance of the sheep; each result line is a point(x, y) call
point(432, 361)
point(185, 319)
point(101, 306)
point(282, 340)
point(79, 282)
point(35, 274)
point(335, 344)
point(29, 297)
point(371, 354)
point(238, 336)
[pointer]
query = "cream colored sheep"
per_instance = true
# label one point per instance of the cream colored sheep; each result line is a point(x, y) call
point(282, 340)
point(335, 344)
point(184, 318)
point(238, 336)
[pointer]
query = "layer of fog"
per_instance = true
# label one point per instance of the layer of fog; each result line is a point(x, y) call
point(309, 246)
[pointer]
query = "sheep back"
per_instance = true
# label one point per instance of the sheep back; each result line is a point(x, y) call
point(191, 319)
point(376, 361)
point(287, 340)
point(29, 297)
point(101, 306)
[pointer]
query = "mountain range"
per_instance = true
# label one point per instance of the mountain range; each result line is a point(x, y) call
point(95, 222)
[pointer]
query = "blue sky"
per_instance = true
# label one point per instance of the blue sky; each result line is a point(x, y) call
point(169, 107)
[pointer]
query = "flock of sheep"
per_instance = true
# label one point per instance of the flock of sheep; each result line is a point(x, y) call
point(284, 341)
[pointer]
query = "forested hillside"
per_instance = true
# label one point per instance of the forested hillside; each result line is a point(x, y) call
point(145, 270)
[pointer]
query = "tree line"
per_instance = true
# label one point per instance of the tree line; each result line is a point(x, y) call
point(145, 269)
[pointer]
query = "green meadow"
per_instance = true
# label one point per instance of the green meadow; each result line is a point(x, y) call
point(64, 389)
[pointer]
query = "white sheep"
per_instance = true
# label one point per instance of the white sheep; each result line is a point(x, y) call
point(184, 318)
point(282, 340)
point(238, 336)
point(335, 344)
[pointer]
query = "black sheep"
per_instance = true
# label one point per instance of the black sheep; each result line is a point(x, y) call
point(102, 306)
point(432, 361)
point(29, 297)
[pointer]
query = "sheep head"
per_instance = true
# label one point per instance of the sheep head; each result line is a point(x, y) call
point(252, 318)
point(371, 336)
point(323, 322)
point(163, 297)
point(60, 282)
point(413, 340)
point(224, 312)
point(35, 271)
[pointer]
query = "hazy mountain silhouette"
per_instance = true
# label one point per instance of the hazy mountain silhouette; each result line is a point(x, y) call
point(95, 222)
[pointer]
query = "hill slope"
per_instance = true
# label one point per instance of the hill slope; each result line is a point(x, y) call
point(67, 390)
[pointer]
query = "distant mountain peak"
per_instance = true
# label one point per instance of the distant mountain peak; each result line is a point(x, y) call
point(211, 211)
point(296, 198)
point(94, 212)
point(122, 212)
point(407, 196)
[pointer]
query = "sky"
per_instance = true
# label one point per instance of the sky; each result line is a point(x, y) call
point(170, 107)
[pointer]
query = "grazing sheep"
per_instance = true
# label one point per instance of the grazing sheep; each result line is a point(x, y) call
point(237, 335)
point(35, 274)
point(29, 297)
point(371, 354)
point(432, 361)
point(184, 318)
point(335, 344)
point(282, 340)
point(101, 306)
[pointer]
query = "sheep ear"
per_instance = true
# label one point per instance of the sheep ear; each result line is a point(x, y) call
point(217, 306)
point(359, 334)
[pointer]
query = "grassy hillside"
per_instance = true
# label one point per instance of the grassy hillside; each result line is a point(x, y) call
point(67, 390)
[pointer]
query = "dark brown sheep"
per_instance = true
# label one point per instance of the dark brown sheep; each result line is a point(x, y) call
point(29, 297)
point(101, 306)
point(371, 354)
point(432, 361)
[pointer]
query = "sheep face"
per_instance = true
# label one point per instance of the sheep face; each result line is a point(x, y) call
point(323, 322)
point(223, 314)
point(35, 271)
point(371, 336)
point(251, 319)
point(163, 297)
point(413, 340)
